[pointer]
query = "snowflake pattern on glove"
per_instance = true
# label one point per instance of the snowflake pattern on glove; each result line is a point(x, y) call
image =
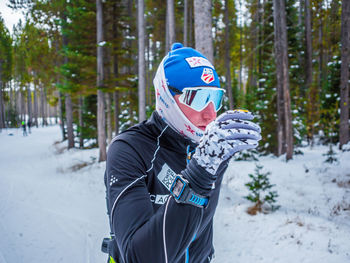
point(231, 132)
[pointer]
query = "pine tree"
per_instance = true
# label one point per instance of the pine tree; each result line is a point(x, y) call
point(260, 191)
point(331, 156)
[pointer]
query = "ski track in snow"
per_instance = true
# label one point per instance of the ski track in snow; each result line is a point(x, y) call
point(49, 213)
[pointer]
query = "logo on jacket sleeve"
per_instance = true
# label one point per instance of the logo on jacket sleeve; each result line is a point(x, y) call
point(113, 180)
point(208, 75)
point(158, 199)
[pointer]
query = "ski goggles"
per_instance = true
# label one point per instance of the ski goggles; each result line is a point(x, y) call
point(198, 98)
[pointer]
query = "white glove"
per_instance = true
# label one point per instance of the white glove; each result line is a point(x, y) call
point(231, 132)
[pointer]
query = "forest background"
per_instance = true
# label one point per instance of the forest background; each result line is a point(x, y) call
point(91, 63)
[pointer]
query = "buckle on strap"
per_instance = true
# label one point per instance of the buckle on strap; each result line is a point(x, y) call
point(106, 242)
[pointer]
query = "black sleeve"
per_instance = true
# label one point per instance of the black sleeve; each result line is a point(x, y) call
point(200, 180)
point(142, 235)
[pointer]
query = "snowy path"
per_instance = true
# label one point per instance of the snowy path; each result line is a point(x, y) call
point(47, 215)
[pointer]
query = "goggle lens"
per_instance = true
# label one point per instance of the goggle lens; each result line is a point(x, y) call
point(199, 98)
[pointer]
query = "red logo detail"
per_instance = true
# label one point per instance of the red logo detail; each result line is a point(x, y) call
point(189, 128)
point(163, 85)
point(182, 133)
point(207, 75)
point(195, 61)
point(157, 92)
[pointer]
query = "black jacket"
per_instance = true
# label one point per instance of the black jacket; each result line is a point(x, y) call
point(147, 224)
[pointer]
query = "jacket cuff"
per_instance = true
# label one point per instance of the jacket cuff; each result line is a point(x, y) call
point(200, 180)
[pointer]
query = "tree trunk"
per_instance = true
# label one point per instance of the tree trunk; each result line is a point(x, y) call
point(203, 28)
point(42, 109)
point(308, 70)
point(109, 117)
point(141, 70)
point(256, 32)
point(23, 106)
point(116, 111)
point(81, 122)
point(29, 103)
point(300, 37)
point(12, 107)
point(47, 109)
point(171, 23)
point(1, 100)
point(240, 51)
point(36, 111)
point(68, 100)
point(185, 22)
point(148, 72)
point(320, 45)
point(101, 118)
point(56, 114)
point(167, 42)
point(130, 69)
point(16, 105)
point(61, 110)
point(2, 115)
point(190, 24)
point(108, 76)
point(115, 70)
point(344, 74)
point(320, 75)
point(285, 132)
point(69, 117)
point(228, 56)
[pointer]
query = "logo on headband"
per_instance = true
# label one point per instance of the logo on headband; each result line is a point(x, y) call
point(208, 75)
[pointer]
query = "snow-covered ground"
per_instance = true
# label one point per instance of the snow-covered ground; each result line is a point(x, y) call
point(52, 206)
point(312, 225)
point(49, 213)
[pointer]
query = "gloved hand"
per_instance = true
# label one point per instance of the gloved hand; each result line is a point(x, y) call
point(231, 132)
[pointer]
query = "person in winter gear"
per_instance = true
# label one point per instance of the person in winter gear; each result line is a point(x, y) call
point(163, 176)
point(24, 128)
point(29, 126)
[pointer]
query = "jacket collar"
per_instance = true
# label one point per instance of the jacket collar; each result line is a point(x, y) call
point(169, 138)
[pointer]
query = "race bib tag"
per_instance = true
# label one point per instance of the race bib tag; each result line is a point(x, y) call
point(166, 176)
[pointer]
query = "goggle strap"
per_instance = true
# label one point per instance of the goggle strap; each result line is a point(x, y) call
point(175, 90)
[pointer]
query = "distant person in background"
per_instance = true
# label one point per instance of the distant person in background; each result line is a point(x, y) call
point(29, 125)
point(24, 128)
point(163, 176)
